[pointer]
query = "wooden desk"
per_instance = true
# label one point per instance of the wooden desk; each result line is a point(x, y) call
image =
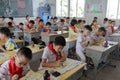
point(37, 54)
point(72, 74)
point(70, 42)
point(20, 43)
point(29, 35)
point(51, 37)
point(98, 52)
point(18, 34)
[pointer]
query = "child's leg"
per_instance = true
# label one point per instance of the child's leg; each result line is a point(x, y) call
point(81, 55)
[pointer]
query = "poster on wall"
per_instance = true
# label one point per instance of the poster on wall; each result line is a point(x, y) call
point(95, 7)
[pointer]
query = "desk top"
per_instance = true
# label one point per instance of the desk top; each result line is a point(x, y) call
point(55, 33)
point(101, 48)
point(6, 56)
point(70, 39)
point(2, 42)
point(63, 76)
point(116, 34)
point(31, 32)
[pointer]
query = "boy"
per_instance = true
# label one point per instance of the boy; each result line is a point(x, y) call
point(17, 66)
point(47, 29)
point(53, 56)
point(54, 26)
point(105, 23)
point(67, 22)
point(27, 20)
point(3, 22)
point(61, 25)
point(82, 42)
point(30, 26)
point(5, 35)
point(98, 35)
point(11, 19)
point(19, 27)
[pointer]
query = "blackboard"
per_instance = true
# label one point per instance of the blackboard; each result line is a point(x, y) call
point(16, 8)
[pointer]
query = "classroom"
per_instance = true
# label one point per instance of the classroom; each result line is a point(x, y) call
point(59, 39)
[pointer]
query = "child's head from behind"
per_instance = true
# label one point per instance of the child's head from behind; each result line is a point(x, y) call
point(73, 22)
point(4, 33)
point(48, 25)
point(59, 43)
point(23, 56)
point(87, 30)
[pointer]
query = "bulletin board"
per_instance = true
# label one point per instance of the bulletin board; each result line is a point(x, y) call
point(16, 8)
point(94, 6)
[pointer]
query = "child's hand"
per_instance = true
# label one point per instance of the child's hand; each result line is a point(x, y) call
point(15, 77)
point(58, 63)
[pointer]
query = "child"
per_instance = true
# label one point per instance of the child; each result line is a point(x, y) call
point(27, 20)
point(54, 26)
point(17, 66)
point(5, 35)
point(37, 19)
point(61, 25)
point(3, 22)
point(80, 25)
point(67, 22)
point(30, 26)
point(47, 29)
point(105, 23)
point(19, 27)
point(53, 55)
point(95, 26)
point(11, 19)
point(82, 42)
point(98, 35)
point(73, 32)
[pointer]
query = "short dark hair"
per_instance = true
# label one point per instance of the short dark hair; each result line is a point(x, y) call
point(68, 18)
point(32, 21)
point(9, 23)
point(84, 21)
point(41, 20)
point(73, 22)
point(37, 17)
point(55, 17)
point(48, 23)
point(88, 27)
point(26, 52)
point(62, 20)
point(102, 29)
point(105, 19)
point(21, 24)
point(27, 16)
point(79, 21)
point(5, 31)
point(60, 40)
point(3, 17)
point(95, 17)
point(11, 18)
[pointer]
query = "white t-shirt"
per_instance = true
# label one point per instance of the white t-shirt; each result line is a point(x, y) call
point(95, 37)
point(49, 55)
point(80, 39)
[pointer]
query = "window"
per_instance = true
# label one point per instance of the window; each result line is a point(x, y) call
point(113, 9)
point(76, 8)
point(61, 8)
